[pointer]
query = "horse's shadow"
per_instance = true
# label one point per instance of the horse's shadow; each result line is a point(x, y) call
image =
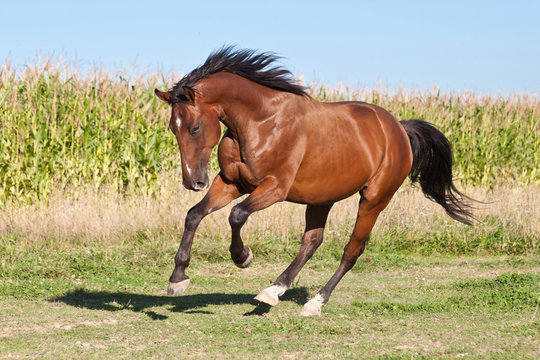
point(189, 304)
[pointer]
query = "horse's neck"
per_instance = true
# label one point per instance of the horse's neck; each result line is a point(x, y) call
point(242, 101)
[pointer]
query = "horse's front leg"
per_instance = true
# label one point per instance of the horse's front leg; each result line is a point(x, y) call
point(266, 194)
point(218, 196)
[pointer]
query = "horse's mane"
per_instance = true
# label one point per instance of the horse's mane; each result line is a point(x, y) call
point(258, 67)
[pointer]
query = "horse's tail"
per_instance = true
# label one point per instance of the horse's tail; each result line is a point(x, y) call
point(432, 168)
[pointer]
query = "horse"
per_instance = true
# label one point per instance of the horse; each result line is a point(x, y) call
point(281, 144)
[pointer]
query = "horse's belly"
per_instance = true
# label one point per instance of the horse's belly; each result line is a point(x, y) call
point(304, 197)
point(325, 189)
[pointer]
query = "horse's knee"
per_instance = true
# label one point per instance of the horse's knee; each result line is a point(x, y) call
point(238, 216)
point(193, 218)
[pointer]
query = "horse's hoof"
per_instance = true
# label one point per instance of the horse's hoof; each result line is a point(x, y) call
point(270, 295)
point(312, 307)
point(177, 288)
point(309, 311)
point(246, 262)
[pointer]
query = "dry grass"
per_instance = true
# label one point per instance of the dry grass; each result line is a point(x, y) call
point(107, 216)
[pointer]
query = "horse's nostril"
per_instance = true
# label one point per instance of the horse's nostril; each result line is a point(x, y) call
point(199, 185)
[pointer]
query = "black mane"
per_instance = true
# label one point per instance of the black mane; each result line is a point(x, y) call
point(258, 67)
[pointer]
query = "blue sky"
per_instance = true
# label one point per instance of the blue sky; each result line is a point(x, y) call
point(487, 46)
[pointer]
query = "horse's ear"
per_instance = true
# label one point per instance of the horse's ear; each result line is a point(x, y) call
point(164, 96)
point(189, 93)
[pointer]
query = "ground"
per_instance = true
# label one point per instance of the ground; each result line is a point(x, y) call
point(390, 306)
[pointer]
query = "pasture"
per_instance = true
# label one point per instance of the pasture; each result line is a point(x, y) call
point(92, 209)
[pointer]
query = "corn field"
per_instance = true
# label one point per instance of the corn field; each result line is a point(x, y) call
point(62, 129)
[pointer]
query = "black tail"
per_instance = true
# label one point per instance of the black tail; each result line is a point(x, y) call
point(432, 167)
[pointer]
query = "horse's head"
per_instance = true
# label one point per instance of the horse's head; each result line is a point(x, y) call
point(196, 127)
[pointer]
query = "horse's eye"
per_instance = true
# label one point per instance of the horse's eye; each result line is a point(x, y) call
point(195, 129)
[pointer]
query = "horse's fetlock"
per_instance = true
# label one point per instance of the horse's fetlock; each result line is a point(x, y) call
point(182, 260)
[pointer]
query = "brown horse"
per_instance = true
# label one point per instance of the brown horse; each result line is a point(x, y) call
point(282, 145)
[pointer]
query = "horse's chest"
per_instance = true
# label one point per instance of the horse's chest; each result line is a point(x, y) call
point(233, 166)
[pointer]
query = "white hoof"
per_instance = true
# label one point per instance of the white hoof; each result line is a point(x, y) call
point(313, 307)
point(270, 295)
point(178, 288)
point(248, 261)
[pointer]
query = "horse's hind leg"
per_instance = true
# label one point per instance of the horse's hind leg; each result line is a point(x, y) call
point(368, 212)
point(313, 236)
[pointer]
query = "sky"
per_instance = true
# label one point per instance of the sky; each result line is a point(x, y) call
point(491, 47)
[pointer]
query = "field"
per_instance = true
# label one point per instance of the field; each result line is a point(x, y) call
point(91, 213)
point(391, 306)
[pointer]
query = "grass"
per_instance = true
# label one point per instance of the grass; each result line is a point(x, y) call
point(86, 278)
point(410, 224)
point(390, 306)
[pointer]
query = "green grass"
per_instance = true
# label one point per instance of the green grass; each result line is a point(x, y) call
point(507, 292)
point(51, 263)
point(77, 299)
point(494, 236)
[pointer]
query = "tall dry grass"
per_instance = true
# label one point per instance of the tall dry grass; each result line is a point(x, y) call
point(510, 218)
